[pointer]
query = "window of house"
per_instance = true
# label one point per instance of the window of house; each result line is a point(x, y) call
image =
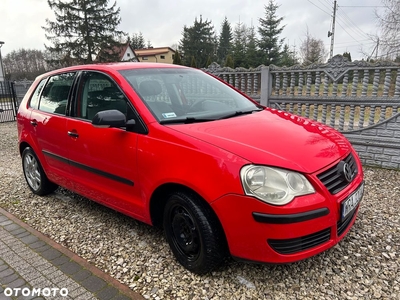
point(128, 54)
point(145, 58)
point(162, 56)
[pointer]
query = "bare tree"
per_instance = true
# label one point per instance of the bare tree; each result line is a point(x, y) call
point(312, 50)
point(389, 21)
point(24, 64)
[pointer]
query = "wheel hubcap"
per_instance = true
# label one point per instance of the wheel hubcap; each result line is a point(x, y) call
point(32, 172)
point(185, 233)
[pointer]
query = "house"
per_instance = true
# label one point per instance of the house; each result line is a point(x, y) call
point(160, 55)
point(124, 52)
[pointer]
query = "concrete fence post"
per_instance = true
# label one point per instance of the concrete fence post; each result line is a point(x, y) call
point(266, 86)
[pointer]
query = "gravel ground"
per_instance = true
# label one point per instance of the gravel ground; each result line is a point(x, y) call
point(365, 264)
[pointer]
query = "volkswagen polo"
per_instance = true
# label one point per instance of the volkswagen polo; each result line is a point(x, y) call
point(177, 148)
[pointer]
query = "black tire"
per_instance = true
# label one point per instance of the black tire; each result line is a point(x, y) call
point(193, 233)
point(37, 180)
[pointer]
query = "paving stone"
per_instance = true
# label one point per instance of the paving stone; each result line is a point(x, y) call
point(93, 283)
point(18, 231)
point(3, 267)
point(29, 239)
point(51, 254)
point(37, 244)
point(6, 222)
point(41, 265)
point(16, 283)
point(6, 272)
point(12, 227)
point(42, 249)
point(81, 275)
point(107, 293)
point(59, 261)
point(85, 296)
point(31, 276)
point(22, 234)
point(70, 268)
point(8, 279)
point(75, 293)
point(56, 277)
point(50, 270)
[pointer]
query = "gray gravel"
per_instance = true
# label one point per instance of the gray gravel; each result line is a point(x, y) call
point(365, 264)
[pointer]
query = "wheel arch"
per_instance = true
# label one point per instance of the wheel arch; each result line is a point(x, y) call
point(160, 197)
point(22, 147)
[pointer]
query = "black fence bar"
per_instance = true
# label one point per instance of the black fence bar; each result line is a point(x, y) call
point(8, 102)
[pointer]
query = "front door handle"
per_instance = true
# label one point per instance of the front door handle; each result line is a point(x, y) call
point(73, 134)
point(34, 123)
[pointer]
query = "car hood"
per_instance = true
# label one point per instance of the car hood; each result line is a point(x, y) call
point(273, 138)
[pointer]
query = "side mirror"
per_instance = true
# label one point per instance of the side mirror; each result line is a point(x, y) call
point(111, 118)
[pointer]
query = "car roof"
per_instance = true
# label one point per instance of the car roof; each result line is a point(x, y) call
point(112, 67)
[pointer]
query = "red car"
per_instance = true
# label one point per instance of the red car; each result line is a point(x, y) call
point(177, 148)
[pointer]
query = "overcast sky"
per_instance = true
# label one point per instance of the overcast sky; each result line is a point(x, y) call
point(162, 22)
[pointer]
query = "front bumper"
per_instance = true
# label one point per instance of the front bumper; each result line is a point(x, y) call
point(260, 232)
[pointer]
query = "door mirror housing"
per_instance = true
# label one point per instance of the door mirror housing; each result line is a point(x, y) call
point(111, 118)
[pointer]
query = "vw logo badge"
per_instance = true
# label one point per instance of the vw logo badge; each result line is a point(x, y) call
point(348, 174)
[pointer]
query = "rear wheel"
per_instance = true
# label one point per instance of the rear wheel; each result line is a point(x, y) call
point(34, 174)
point(193, 233)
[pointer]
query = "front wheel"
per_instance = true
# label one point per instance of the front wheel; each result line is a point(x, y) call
point(193, 233)
point(34, 174)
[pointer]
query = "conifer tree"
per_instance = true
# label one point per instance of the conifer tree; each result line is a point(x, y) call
point(252, 57)
point(239, 45)
point(229, 62)
point(137, 41)
point(288, 57)
point(198, 42)
point(225, 41)
point(82, 28)
point(193, 63)
point(348, 55)
point(177, 58)
point(269, 43)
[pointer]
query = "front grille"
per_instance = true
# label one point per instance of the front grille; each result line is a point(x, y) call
point(333, 178)
point(290, 246)
point(343, 224)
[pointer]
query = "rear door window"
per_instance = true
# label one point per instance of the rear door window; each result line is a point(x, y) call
point(55, 95)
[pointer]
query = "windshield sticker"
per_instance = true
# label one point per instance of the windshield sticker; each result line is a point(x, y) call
point(169, 115)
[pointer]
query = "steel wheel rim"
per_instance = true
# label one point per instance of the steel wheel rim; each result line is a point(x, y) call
point(185, 234)
point(32, 172)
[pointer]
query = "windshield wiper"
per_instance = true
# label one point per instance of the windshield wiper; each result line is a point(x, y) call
point(239, 113)
point(187, 120)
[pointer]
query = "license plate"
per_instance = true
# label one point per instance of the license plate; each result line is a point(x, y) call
point(352, 201)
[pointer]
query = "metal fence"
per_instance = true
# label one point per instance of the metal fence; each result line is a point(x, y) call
point(8, 102)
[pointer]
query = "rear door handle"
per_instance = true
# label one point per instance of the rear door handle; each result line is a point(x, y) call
point(73, 134)
point(34, 123)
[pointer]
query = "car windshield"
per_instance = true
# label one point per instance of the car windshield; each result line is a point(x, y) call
point(187, 95)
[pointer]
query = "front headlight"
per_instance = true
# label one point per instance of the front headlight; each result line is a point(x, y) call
point(273, 185)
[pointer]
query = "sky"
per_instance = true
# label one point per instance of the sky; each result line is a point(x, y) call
point(162, 22)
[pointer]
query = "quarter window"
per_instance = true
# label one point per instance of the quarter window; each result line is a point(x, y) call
point(34, 103)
